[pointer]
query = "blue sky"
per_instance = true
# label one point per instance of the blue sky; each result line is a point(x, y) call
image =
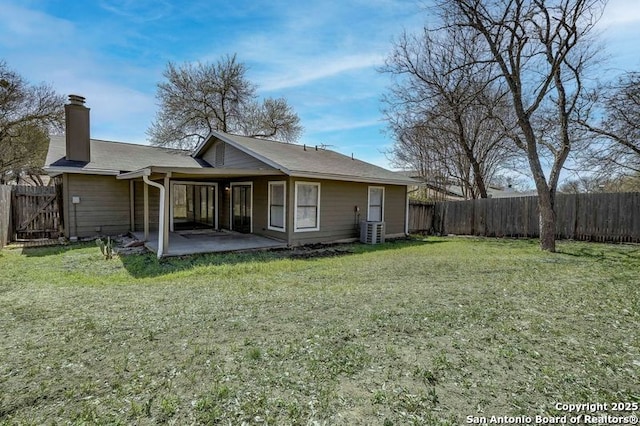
point(321, 56)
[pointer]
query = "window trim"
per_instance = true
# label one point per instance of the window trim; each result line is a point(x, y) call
point(295, 209)
point(284, 206)
point(369, 203)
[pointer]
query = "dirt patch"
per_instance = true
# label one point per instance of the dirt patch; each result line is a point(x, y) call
point(126, 245)
point(313, 251)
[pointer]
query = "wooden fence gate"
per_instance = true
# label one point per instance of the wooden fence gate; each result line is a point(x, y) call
point(36, 212)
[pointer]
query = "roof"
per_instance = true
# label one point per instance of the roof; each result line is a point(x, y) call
point(130, 160)
point(306, 161)
point(451, 189)
point(109, 157)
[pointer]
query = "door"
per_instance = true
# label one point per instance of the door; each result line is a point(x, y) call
point(241, 195)
point(206, 195)
point(194, 205)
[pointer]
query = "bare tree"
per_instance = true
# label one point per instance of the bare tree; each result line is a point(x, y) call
point(27, 114)
point(541, 49)
point(617, 133)
point(197, 99)
point(600, 183)
point(446, 118)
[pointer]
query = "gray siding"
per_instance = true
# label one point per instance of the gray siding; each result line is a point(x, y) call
point(103, 207)
point(233, 158)
point(395, 207)
point(261, 207)
point(154, 200)
point(338, 217)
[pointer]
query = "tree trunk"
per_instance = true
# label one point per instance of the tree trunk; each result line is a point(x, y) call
point(546, 194)
point(547, 221)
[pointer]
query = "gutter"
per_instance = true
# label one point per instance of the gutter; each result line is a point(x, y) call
point(406, 213)
point(59, 170)
point(351, 178)
point(135, 174)
point(161, 213)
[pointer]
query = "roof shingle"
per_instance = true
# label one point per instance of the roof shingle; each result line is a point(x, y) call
point(120, 157)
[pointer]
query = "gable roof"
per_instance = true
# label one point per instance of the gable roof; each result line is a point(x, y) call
point(305, 161)
point(112, 158)
point(128, 160)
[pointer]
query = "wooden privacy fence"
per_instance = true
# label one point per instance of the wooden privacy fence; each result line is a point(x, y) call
point(5, 215)
point(594, 217)
point(35, 212)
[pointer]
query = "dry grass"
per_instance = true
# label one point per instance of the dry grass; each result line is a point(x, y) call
point(415, 332)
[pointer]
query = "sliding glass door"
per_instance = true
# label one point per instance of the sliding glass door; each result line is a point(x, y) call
point(194, 205)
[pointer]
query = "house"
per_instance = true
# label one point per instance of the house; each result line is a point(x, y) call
point(294, 194)
point(447, 189)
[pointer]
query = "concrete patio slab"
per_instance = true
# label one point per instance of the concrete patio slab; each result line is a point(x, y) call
point(209, 241)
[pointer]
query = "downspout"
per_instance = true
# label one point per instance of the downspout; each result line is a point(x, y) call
point(406, 211)
point(160, 212)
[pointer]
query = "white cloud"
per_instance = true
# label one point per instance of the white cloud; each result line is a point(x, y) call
point(621, 12)
point(138, 10)
point(339, 123)
point(21, 25)
point(299, 72)
point(117, 112)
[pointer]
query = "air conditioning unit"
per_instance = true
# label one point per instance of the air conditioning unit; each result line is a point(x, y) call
point(372, 232)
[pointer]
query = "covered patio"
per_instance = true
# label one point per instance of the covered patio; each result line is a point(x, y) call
point(190, 198)
point(208, 241)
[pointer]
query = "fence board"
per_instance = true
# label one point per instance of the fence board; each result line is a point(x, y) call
point(5, 215)
point(613, 217)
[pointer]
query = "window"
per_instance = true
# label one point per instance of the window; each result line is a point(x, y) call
point(375, 212)
point(307, 217)
point(277, 206)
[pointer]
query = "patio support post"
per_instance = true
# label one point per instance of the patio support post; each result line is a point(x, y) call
point(167, 218)
point(161, 209)
point(171, 195)
point(132, 205)
point(146, 212)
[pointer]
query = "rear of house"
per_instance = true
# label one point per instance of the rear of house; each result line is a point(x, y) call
point(293, 193)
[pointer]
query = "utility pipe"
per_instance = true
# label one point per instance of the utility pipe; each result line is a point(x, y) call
point(160, 212)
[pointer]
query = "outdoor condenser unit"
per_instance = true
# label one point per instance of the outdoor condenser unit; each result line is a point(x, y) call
point(371, 232)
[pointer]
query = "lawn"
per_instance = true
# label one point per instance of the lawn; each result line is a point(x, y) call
point(427, 331)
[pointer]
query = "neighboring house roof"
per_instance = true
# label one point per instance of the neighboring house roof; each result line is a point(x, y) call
point(129, 160)
point(306, 160)
point(511, 193)
point(115, 157)
point(453, 190)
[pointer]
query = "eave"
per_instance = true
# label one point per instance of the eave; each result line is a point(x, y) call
point(197, 172)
